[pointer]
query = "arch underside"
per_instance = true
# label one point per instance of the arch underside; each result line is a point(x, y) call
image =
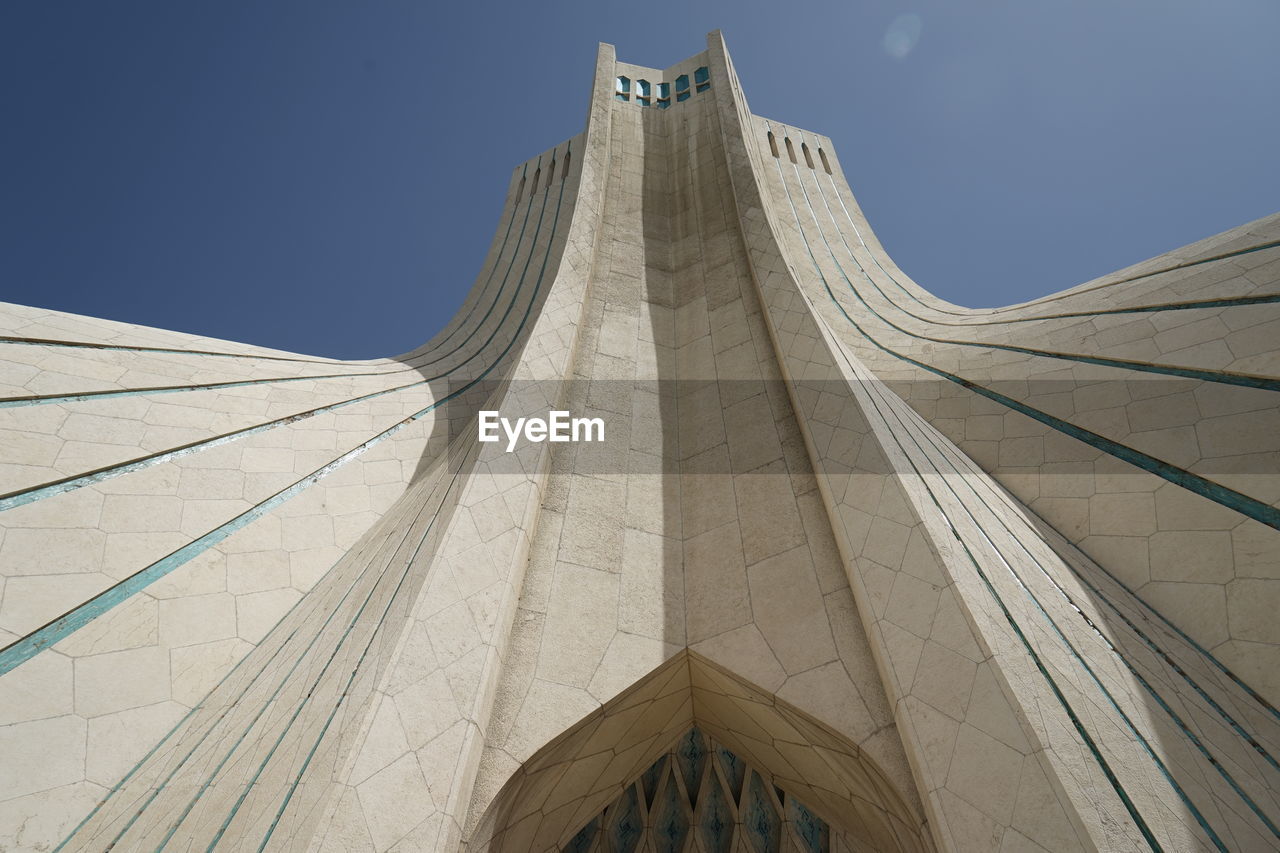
point(650, 733)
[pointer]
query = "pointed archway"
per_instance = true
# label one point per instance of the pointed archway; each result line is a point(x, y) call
point(688, 746)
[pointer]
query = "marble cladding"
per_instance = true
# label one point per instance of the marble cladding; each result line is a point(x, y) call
point(956, 579)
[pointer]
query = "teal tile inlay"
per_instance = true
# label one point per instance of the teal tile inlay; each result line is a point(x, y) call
point(1174, 306)
point(465, 320)
point(28, 646)
point(411, 363)
point(243, 662)
point(50, 489)
point(284, 682)
point(1216, 303)
point(1265, 383)
point(1081, 730)
point(1106, 599)
point(1035, 656)
point(186, 717)
point(1178, 722)
point(719, 815)
point(515, 337)
point(51, 342)
point(624, 823)
point(691, 757)
point(815, 835)
point(715, 826)
point(156, 790)
point(83, 396)
point(670, 819)
point(1203, 652)
point(1225, 302)
point(650, 780)
point(392, 600)
point(1216, 492)
point(760, 820)
point(733, 769)
point(212, 776)
point(949, 484)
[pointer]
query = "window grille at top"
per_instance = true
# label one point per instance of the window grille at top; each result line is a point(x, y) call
point(645, 95)
point(682, 87)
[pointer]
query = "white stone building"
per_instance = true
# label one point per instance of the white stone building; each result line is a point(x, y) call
point(853, 569)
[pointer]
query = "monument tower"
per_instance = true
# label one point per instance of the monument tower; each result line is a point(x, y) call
point(852, 568)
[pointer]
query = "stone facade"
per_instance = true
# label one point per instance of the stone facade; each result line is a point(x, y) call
point(938, 578)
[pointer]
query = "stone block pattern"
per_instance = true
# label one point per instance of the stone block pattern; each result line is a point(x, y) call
point(1069, 645)
point(952, 579)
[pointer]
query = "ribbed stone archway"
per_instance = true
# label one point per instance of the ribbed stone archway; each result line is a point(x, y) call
point(681, 732)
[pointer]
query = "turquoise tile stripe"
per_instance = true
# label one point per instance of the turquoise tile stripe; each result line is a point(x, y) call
point(1230, 498)
point(1265, 383)
point(293, 787)
point(155, 792)
point(1205, 653)
point(1173, 306)
point(31, 644)
point(1081, 660)
point(1063, 702)
point(958, 462)
point(989, 585)
point(53, 342)
point(89, 396)
point(407, 366)
point(31, 494)
point(264, 706)
point(1224, 302)
point(1173, 716)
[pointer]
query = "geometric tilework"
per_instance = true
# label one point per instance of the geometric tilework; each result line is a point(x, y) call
point(691, 757)
point(694, 797)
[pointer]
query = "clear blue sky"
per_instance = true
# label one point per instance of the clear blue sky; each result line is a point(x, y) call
point(325, 176)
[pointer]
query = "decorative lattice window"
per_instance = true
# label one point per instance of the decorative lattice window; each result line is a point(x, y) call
point(682, 87)
point(702, 789)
